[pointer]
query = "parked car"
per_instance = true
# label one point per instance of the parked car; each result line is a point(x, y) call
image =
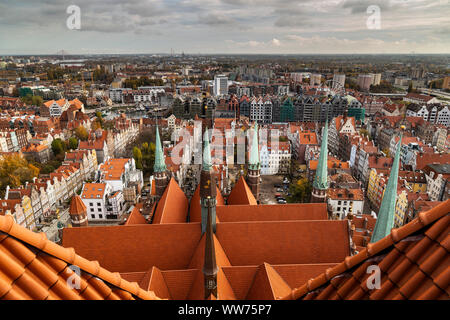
point(280, 201)
point(277, 195)
point(277, 185)
point(279, 190)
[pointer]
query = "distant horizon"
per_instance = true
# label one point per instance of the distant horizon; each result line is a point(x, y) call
point(224, 54)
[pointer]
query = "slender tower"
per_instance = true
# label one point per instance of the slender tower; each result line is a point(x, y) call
point(78, 212)
point(210, 268)
point(208, 190)
point(320, 185)
point(385, 219)
point(254, 166)
point(159, 168)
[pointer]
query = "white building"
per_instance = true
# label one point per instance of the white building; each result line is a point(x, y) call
point(101, 203)
point(339, 78)
point(342, 201)
point(119, 173)
point(220, 85)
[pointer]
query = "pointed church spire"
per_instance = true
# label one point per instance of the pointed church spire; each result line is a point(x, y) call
point(207, 163)
point(321, 178)
point(160, 164)
point(385, 219)
point(208, 190)
point(210, 268)
point(159, 168)
point(254, 151)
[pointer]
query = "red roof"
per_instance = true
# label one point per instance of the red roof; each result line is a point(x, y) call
point(173, 205)
point(241, 194)
point(34, 268)
point(413, 260)
point(77, 206)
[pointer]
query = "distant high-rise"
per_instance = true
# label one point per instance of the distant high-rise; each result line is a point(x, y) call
point(376, 79)
point(339, 78)
point(315, 79)
point(365, 81)
point(220, 85)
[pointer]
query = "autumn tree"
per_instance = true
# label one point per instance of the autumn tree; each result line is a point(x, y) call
point(81, 133)
point(15, 170)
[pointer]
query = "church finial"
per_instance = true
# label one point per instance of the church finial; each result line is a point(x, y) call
point(210, 268)
point(160, 164)
point(385, 219)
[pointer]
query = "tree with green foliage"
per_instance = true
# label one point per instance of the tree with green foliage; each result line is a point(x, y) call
point(300, 191)
point(73, 143)
point(137, 155)
point(58, 146)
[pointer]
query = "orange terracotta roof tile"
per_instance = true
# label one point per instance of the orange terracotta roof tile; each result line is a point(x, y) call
point(298, 211)
point(135, 216)
point(32, 267)
point(413, 260)
point(173, 205)
point(93, 190)
point(136, 248)
point(267, 284)
point(284, 242)
point(241, 194)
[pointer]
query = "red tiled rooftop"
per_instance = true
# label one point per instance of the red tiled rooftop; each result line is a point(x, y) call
point(34, 268)
point(413, 260)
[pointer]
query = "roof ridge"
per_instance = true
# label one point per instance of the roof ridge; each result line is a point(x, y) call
point(68, 255)
point(396, 235)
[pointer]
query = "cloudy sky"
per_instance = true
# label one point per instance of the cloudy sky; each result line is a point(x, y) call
point(226, 26)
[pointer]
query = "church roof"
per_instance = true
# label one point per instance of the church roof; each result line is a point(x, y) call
point(241, 194)
point(173, 205)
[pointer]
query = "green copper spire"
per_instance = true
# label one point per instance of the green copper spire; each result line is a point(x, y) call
point(254, 151)
point(385, 220)
point(321, 179)
point(207, 163)
point(160, 164)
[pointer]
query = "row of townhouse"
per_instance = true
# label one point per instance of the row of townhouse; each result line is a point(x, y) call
point(13, 140)
point(411, 181)
point(434, 113)
point(275, 158)
point(36, 201)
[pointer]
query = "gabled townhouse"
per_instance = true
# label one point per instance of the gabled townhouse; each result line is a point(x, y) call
point(25, 204)
point(54, 108)
point(98, 144)
point(438, 179)
point(340, 125)
point(13, 207)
